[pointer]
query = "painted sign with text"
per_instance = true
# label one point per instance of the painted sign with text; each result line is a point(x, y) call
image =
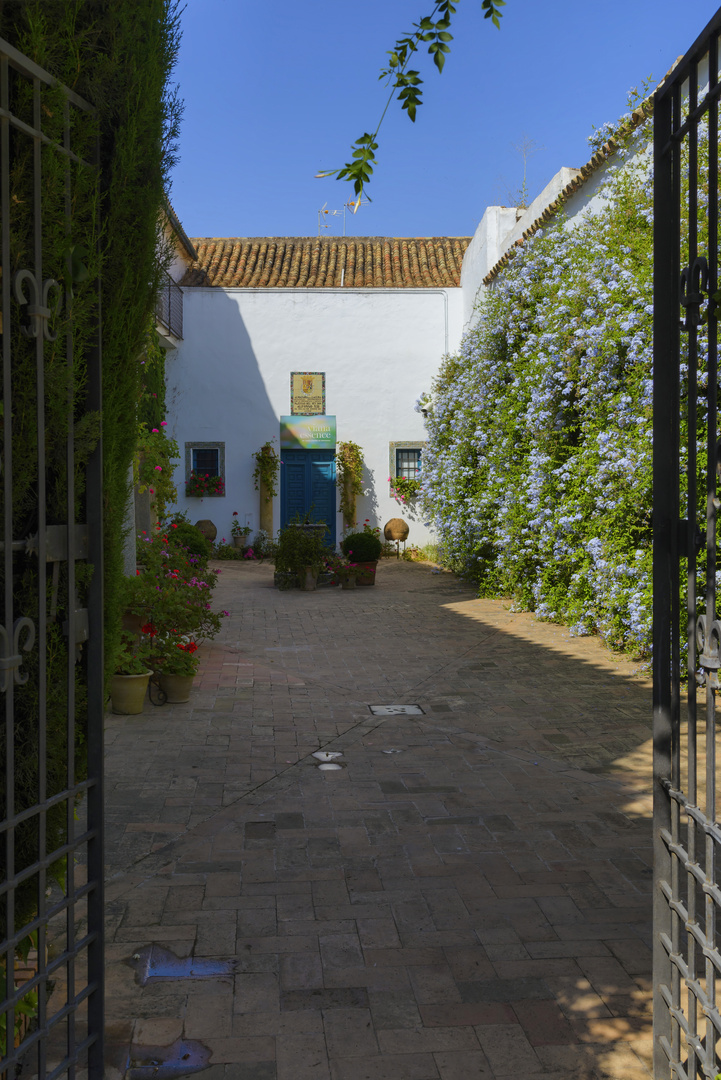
point(307, 432)
point(307, 393)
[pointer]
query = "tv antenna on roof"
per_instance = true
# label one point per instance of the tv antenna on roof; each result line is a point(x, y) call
point(324, 214)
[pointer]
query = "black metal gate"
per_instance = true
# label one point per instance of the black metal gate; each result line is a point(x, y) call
point(51, 861)
point(687, 632)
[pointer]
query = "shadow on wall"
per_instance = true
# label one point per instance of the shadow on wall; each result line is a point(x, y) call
point(217, 395)
point(367, 504)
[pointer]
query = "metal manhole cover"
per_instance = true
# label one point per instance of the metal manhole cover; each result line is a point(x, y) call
point(396, 710)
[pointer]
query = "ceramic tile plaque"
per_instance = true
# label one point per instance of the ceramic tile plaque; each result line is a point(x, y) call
point(307, 393)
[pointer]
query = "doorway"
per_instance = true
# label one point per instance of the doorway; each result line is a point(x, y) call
point(307, 489)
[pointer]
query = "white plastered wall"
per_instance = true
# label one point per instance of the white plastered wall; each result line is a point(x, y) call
point(229, 380)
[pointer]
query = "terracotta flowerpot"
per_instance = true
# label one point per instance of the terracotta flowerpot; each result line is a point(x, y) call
point(348, 581)
point(177, 688)
point(127, 693)
point(366, 573)
point(239, 541)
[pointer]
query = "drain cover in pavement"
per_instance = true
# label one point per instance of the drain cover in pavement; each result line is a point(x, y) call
point(396, 710)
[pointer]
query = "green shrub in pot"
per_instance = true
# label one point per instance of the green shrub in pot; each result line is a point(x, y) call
point(298, 549)
point(361, 547)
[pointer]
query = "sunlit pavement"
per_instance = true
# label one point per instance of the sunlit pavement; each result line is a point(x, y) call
point(468, 896)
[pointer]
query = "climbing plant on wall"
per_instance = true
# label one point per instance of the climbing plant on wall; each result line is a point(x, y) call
point(537, 472)
point(349, 471)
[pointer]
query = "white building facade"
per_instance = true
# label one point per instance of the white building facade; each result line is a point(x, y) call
point(369, 319)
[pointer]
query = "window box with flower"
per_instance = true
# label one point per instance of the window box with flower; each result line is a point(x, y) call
point(202, 485)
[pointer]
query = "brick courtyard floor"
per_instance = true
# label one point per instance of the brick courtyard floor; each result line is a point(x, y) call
point(467, 897)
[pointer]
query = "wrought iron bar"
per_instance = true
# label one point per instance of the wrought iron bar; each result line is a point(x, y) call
point(34, 309)
point(687, 893)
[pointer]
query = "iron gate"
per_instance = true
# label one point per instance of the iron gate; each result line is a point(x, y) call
point(51, 895)
point(687, 458)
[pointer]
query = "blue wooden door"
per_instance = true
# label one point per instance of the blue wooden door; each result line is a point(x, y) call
point(307, 488)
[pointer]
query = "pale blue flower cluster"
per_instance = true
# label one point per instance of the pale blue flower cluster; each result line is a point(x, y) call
point(537, 472)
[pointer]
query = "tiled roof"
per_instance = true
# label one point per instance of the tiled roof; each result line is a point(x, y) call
point(316, 262)
point(643, 112)
point(178, 229)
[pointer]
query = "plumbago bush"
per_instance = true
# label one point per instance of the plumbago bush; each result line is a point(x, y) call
point(537, 473)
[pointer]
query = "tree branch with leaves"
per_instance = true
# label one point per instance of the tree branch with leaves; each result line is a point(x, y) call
point(432, 30)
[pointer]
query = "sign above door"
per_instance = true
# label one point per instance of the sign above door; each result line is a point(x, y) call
point(307, 432)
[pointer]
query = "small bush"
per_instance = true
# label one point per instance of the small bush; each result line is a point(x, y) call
point(361, 547)
point(186, 535)
point(226, 551)
point(299, 548)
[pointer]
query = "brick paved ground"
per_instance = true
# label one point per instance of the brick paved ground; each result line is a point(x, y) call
point(468, 897)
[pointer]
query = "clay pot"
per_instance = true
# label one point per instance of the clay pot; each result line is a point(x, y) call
point(366, 573)
point(396, 529)
point(349, 581)
point(176, 688)
point(127, 693)
point(207, 528)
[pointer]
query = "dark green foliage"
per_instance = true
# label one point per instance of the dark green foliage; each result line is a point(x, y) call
point(361, 547)
point(118, 56)
point(187, 536)
point(151, 407)
point(299, 548)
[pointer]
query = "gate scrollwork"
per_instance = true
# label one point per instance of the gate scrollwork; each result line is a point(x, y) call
point(708, 640)
point(10, 656)
point(694, 287)
point(39, 311)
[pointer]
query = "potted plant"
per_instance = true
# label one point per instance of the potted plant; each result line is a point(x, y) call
point(174, 663)
point(129, 684)
point(300, 553)
point(364, 549)
point(342, 570)
point(240, 533)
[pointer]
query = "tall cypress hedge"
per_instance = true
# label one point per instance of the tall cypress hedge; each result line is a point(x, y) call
point(119, 57)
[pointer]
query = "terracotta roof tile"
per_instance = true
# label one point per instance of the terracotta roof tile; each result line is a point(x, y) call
point(310, 262)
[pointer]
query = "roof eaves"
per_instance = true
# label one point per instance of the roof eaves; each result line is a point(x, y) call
point(179, 230)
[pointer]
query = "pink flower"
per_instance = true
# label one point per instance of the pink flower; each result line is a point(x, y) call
point(155, 431)
point(158, 468)
point(152, 491)
point(163, 423)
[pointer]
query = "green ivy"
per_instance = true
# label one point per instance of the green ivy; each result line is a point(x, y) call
point(349, 473)
point(267, 466)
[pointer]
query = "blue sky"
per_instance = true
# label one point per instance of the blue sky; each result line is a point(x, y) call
point(275, 91)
